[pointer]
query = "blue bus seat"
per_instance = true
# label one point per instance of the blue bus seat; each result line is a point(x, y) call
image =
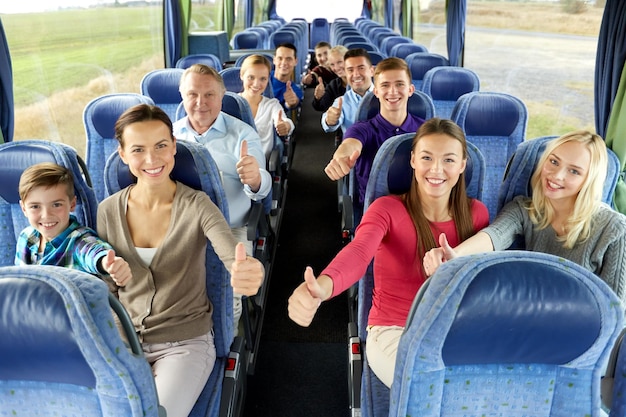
point(248, 39)
point(446, 84)
point(387, 43)
point(420, 62)
point(99, 118)
point(15, 157)
point(402, 50)
point(496, 124)
point(319, 31)
point(207, 59)
point(163, 87)
point(61, 352)
point(538, 346)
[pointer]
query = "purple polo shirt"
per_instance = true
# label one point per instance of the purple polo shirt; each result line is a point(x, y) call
point(372, 133)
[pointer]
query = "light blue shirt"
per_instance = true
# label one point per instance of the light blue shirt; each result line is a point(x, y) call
point(223, 140)
point(349, 107)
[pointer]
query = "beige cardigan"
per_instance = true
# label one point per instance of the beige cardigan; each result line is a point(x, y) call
point(167, 300)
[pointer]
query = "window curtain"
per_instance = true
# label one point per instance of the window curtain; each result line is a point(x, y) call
point(6, 89)
point(175, 27)
point(610, 88)
point(456, 12)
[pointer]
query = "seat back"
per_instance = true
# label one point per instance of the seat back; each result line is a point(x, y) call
point(15, 157)
point(522, 165)
point(207, 59)
point(446, 84)
point(319, 31)
point(195, 168)
point(386, 44)
point(61, 354)
point(248, 40)
point(539, 343)
point(163, 87)
point(99, 118)
point(402, 50)
point(420, 62)
point(419, 104)
point(391, 174)
point(496, 124)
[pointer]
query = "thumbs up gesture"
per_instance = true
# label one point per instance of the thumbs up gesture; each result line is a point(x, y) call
point(436, 256)
point(291, 99)
point(319, 89)
point(281, 125)
point(343, 161)
point(307, 298)
point(246, 273)
point(309, 78)
point(117, 268)
point(334, 112)
point(248, 168)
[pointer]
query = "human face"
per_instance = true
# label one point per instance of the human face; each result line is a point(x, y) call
point(359, 74)
point(438, 162)
point(393, 89)
point(565, 171)
point(48, 210)
point(284, 62)
point(148, 151)
point(321, 55)
point(255, 79)
point(336, 64)
point(202, 98)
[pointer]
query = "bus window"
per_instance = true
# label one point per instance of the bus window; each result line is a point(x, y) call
point(537, 51)
point(64, 56)
point(329, 9)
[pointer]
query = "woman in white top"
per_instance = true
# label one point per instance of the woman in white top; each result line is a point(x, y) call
point(268, 114)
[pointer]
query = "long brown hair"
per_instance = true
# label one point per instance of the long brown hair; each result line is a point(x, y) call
point(459, 203)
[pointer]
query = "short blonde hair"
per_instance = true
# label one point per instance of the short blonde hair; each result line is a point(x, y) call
point(589, 199)
point(255, 60)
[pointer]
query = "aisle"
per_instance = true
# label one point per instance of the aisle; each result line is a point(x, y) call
point(303, 371)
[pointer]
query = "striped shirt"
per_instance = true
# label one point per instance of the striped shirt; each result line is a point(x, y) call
point(78, 247)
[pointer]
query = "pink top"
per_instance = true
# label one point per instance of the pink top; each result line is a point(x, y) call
point(387, 233)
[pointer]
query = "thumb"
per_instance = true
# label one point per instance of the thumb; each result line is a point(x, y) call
point(280, 116)
point(448, 252)
point(240, 252)
point(339, 103)
point(244, 149)
point(108, 259)
point(355, 155)
point(311, 283)
point(288, 85)
point(320, 81)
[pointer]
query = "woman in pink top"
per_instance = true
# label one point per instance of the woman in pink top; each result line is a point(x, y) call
point(436, 203)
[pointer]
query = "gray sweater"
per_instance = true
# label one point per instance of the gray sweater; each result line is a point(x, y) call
point(167, 300)
point(603, 253)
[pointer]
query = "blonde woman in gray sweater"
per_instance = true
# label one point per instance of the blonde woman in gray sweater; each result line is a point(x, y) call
point(565, 216)
point(161, 228)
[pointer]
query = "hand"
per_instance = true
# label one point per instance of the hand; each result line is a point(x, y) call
point(320, 89)
point(340, 165)
point(246, 273)
point(305, 300)
point(248, 168)
point(308, 78)
point(437, 256)
point(282, 127)
point(117, 268)
point(291, 99)
point(333, 113)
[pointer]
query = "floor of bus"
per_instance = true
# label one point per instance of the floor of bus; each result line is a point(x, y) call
point(303, 371)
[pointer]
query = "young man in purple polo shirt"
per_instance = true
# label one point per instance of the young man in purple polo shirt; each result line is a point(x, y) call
point(392, 87)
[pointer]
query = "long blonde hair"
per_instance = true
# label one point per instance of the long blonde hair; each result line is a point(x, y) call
point(459, 203)
point(589, 199)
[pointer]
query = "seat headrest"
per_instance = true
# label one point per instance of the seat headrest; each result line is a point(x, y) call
point(482, 120)
point(450, 84)
point(106, 111)
point(162, 86)
point(15, 160)
point(523, 312)
point(38, 342)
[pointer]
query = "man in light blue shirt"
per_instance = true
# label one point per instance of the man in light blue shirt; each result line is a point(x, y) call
point(359, 72)
point(234, 145)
